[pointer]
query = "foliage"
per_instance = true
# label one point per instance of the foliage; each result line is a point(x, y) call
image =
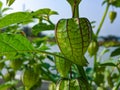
point(22, 50)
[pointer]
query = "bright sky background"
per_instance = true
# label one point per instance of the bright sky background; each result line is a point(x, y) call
point(92, 9)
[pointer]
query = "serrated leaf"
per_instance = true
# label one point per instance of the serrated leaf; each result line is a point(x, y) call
point(62, 65)
point(42, 27)
point(14, 18)
point(44, 11)
point(14, 43)
point(116, 52)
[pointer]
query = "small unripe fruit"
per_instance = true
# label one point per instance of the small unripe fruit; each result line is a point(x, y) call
point(29, 78)
point(112, 16)
point(93, 48)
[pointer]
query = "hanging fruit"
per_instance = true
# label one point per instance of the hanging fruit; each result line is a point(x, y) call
point(29, 78)
point(73, 36)
point(72, 84)
point(112, 16)
point(93, 48)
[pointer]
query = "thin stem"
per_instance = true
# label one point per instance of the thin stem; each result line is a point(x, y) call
point(118, 84)
point(83, 74)
point(52, 54)
point(118, 69)
point(75, 7)
point(75, 11)
point(70, 72)
point(95, 61)
point(38, 51)
point(98, 31)
point(102, 21)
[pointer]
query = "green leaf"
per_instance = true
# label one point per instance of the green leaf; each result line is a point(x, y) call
point(46, 65)
point(43, 47)
point(104, 2)
point(14, 18)
point(53, 13)
point(6, 9)
point(7, 85)
point(104, 51)
point(50, 58)
point(44, 11)
point(10, 2)
point(42, 27)
point(116, 52)
point(116, 3)
point(1, 4)
point(14, 43)
point(62, 65)
point(108, 64)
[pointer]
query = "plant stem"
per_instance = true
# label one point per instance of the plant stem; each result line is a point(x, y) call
point(98, 31)
point(75, 11)
point(81, 71)
point(49, 53)
point(75, 7)
point(118, 69)
point(83, 76)
point(102, 21)
point(95, 61)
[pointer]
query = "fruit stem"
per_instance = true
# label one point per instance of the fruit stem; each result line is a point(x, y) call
point(75, 7)
point(102, 20)
point(95, 62)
